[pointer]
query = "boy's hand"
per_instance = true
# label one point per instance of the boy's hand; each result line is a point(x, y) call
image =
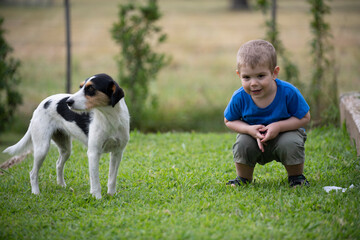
point(256, 132)
point(260, 144)
point(270, 132)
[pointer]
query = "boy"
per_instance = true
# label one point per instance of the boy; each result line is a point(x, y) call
point(267, 114)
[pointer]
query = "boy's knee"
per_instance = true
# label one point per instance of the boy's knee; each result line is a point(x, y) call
point(290, 148)
point(244, 144)
point(290, 140)
point(245, 150)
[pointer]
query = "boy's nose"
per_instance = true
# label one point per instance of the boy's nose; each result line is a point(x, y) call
point(253, 82)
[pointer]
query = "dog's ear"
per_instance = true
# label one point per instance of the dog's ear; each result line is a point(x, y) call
point(116, 93)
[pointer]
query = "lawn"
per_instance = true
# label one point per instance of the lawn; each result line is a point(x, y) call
point(172, 186)
point(203, 38)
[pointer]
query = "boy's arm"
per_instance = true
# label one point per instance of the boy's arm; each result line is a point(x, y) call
point(265, 133)
point(292, 123)
point(242, 127)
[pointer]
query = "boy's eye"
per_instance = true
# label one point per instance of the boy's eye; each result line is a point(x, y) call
point(261, 75)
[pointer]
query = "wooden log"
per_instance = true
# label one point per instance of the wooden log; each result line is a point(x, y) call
point(350, 114)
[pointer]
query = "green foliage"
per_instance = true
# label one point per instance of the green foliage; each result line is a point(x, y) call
point(289, 69)
point(9, 79)
point(323, 88)
point(172, 186)
point(138, 64)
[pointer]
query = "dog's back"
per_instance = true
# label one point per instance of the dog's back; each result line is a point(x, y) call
point(60, 118)
point(50, 116)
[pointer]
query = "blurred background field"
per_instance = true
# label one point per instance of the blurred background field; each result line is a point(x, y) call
point(203, 38)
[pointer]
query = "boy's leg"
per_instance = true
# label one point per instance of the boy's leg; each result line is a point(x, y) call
point(246, 152)
point(295, 175)
point(244, 171)
point(295, 170)
point(290, 151)
point(244, 175)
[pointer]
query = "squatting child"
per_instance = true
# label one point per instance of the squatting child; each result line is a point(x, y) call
point(268, 114)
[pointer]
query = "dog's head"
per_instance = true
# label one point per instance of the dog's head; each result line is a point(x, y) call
point(99, 90)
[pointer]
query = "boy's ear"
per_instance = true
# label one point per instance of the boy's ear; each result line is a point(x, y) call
point(276, 72)
point(237, 72)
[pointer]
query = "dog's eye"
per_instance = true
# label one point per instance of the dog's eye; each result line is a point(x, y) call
point(90, 90)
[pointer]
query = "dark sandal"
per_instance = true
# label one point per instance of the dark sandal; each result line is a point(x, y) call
point(298, 180)
point(238, 181)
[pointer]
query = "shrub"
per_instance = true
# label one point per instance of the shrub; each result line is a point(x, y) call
point(9, 79)
point(138, 64)
point(323, 89)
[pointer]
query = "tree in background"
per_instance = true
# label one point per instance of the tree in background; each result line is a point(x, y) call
point(138, 64)
point(9, 79)
point(323, 89)
point(239, 5)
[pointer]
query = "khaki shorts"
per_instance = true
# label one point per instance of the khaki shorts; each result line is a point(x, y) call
point(287, 148)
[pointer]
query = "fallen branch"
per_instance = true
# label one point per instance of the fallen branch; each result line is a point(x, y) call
point(13, 161)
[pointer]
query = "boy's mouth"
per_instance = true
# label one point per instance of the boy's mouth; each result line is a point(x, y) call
point(257, 91)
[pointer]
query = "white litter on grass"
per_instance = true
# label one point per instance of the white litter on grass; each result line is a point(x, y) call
point(329, 188)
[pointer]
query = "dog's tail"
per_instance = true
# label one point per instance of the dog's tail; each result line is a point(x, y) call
point(22, 146)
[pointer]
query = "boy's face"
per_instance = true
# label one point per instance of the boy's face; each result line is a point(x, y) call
point(259, 82)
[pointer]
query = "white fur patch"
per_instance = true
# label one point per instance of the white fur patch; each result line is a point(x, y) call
point(79, 100)
point(89, 79)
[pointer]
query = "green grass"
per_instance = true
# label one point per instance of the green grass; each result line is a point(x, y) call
point(172, 186)
point(203, 38)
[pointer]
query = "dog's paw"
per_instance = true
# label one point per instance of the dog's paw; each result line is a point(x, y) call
point(96, 195)
point(35, 191)
point(111, 190)
point(111, 193)
point(61, 183)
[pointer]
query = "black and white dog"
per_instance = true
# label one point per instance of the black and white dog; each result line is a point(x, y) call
point(100, 120)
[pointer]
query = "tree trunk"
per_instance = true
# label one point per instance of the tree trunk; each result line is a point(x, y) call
point(68, 46)
point(239, 5)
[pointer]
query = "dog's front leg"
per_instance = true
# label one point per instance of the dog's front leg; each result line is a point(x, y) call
point(115, 160)
point(95, 188)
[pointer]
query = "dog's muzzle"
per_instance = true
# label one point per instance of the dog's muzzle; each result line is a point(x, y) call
point(70, 102)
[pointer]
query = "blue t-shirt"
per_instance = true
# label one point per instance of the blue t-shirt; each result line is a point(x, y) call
point(288, 102)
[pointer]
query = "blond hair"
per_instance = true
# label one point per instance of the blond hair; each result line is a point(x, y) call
point(257, 52)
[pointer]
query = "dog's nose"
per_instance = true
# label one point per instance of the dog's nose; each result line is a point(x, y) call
point(70, 102)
